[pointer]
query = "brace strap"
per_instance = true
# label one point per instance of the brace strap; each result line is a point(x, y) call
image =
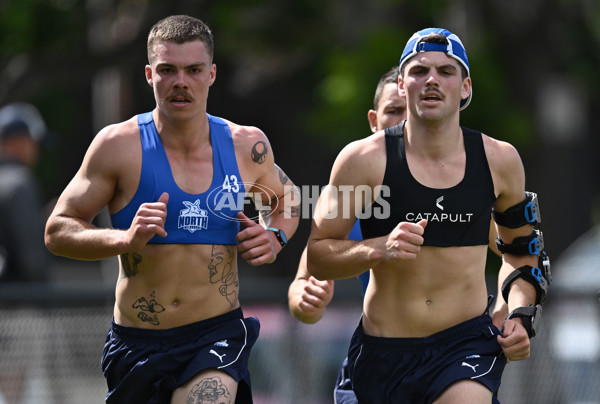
point(532, 244)
point(526, 212)
point(533, 275)
point(531, 316)
point(544, 264)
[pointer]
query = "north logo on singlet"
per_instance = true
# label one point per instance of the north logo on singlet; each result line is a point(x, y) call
point(193, 217)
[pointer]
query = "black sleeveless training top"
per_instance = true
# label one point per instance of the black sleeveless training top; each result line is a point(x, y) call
point(457, 216)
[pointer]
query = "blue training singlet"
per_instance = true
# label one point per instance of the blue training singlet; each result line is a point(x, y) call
point(206, 218)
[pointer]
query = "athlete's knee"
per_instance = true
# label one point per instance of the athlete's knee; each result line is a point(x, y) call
point(465, 391)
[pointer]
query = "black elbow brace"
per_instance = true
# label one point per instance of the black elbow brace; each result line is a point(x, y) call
point(526, 212)
point(533, 275)
point(532, 244)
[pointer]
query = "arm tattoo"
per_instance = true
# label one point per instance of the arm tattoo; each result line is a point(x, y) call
point(209, 391)
point(130, 264)
point(282, 176)
point(220, 269)
point(292, 211)
point(148, 309)
point(259, 152)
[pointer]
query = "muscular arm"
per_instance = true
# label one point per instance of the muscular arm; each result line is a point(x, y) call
point(69, 230)
point(308, 297)
point(510, 177)
point(330, 255)
point(512, 174)
point(277, 198)
point(284, 206)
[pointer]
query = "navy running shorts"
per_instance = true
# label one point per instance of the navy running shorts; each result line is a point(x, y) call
point(146, 366)
point(418, 370)
point(343, 393)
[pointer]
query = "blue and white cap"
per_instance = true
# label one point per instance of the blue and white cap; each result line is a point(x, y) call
point(454, 49)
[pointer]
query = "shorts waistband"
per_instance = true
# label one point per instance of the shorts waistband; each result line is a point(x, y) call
point(447, 335)
point(176, 332)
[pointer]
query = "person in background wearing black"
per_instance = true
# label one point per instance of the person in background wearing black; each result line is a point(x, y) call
point(23, 256)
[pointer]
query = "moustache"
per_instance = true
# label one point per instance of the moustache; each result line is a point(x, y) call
point(181, 96)
point(428, 92)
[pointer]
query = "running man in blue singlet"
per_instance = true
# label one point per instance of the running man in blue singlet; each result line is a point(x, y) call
point(426, 334)
point(175, 181)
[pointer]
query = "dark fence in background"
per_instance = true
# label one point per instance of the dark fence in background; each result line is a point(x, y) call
point(51, 339)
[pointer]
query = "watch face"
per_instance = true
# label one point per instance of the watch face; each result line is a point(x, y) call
point(281, 237)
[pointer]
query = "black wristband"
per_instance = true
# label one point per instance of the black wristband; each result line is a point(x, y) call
point(530, 315)
point(280, 235)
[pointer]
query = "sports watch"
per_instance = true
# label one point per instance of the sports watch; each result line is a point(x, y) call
point(531, 316)
point(281, 237)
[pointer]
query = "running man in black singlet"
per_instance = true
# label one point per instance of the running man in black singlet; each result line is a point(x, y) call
point(424, 191)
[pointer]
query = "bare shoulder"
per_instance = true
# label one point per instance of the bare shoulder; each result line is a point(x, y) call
point(362, 161)
point(112, 164)
point(507, 171)
point(501, 155)
point(254, 155)
point(116, 149)
point(250, 141)
point(366, 146)
point(118, 134)
point(246, 137)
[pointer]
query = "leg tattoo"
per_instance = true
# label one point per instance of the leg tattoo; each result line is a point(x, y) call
point(209, 391)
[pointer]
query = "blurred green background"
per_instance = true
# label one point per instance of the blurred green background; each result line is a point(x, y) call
point(304, 71)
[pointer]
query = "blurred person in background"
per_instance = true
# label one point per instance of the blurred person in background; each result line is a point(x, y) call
point(23, 256)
